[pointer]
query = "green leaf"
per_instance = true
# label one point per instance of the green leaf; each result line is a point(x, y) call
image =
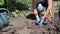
point(21, 14)
point(14, 14)
point(1, 2)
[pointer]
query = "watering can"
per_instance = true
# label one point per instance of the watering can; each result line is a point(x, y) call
point(4, 17)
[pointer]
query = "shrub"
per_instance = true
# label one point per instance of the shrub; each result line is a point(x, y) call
point(1, 2)
point(14, 4)
point(28, 3)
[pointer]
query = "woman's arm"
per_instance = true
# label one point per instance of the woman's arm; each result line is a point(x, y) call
point(50, 4)
point(49, 7)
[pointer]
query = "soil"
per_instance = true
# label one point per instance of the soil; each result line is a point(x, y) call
point(26, 25)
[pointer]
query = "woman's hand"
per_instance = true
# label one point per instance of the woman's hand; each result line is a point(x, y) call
point(49, 7)
point(46, 12)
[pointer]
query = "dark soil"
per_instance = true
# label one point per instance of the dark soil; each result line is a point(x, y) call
point(26, 25)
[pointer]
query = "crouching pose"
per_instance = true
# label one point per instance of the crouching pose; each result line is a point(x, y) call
point(40, 6)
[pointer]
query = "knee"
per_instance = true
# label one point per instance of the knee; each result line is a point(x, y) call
point(35, 12)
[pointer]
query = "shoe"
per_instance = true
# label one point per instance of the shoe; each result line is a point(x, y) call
point(37, 20)
point(37, 23)
point(42, 20)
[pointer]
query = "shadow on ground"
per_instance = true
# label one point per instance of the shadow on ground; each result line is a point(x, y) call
point(31, 16)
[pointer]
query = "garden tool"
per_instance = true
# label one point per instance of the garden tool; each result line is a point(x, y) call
point(50, 13)
point(47, 18)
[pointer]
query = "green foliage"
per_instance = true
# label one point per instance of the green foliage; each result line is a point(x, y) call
point(58, 1)
point(17, 13)
point(11, 5)
point(58, 4)
point(19, 4)
point(26, 2)
point(1, 2)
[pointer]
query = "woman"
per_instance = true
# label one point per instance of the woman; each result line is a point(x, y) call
point(39, 6)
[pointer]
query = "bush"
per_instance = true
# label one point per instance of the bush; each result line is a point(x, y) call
point(19, 4)
point(16, 4)
point(27, 3)
point(1, 2)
